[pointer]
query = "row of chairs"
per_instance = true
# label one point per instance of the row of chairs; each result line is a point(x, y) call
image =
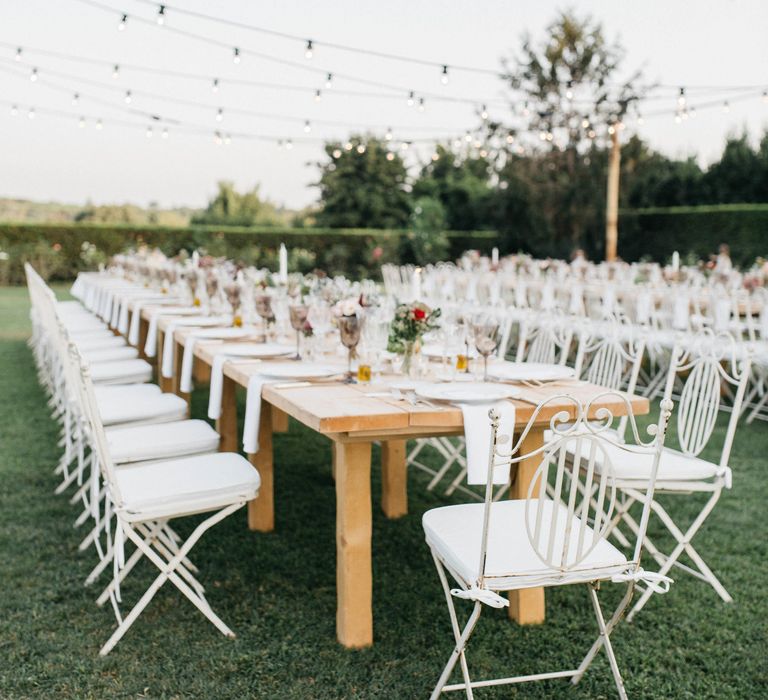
point(134, 460)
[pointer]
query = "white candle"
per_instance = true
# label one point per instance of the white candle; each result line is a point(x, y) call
point(283, 274)
point(195, 258)
point(416, 287)
point(675, 261)
point(495, 256)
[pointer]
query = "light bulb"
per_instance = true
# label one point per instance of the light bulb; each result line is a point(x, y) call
point(128, 97)
point(444, 75)
point(164, 134)
point(569, 91)
point(220, 115)
point(526, 111)
point(307, 127)
point(404, 146)
point(329, 81)
point(116, 72)
point(390, 155)
point(585, 123)
point(388, 135)
point(591, 133)
point(542, 135)
point(435, 156)
point(726, 107)
point(360, 149)
point(318, 95)
point(484, 113)
point(336, 153)
point(227, 139)
point(19, 51)
point(81, 123)
point(31, 113)
point(14, 110)
point(75, 99)
point(421, 104)
point(161, 15)
point(33, 75)
point(483, 154)
point(348, 146)
point(681, 97)
point(215, 85)
point(288, 145)
point(611, 129)
point(217, 138)
point(309, 51)
point(510, 138)
point(121, 24)
point(410, 100)
point(149, 132)
point(235, 55)
point(765, 96)
point(99, 125)
point(468, 137)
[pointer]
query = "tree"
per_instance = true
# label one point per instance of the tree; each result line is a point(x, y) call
point(738, 175)
point(462, 184)
point(363, 185)
point(229, 207)
point(572, 99)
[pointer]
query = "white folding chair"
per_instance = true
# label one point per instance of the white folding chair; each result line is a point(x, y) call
point(683, 472)
point(482, 546)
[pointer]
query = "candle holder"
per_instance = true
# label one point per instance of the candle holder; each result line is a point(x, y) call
point(349, 330)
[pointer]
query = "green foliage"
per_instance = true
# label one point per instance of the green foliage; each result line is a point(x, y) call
point(363, 186)
point(426, 241)
point(695, 230)
point(232, 208)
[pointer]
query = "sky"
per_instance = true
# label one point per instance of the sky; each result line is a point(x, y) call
point(54, 157)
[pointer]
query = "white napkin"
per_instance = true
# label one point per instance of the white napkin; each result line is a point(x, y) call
point(115, 312)
point(122, 321)
point(217, 385)
point(643, 308)
point(133, 333)
point(166, 366)
point(187, 364)
point(150, 347)
point(477, 432)
point(253, 414)
point(680, 312)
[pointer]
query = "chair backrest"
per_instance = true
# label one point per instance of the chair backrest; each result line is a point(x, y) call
point(702, 361)
point(572, 495)
point(546, 340)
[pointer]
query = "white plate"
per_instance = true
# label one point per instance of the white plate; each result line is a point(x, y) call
point(298, 370)
point(224, 332)
point(437, 352)
point(199, 321)
point(529, 372)
point(262, 350)
point(479, 392)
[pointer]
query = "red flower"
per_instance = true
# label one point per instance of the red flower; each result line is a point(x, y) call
point(419, 314)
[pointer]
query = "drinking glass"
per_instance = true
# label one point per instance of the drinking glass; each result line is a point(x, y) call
point(486, 334)
point(298, 315)
point(349, 330)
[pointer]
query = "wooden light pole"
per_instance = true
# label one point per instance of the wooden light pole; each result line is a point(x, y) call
point(612, 203)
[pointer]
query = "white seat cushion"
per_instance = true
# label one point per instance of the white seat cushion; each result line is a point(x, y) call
point(121, 372)
point(126, 352)
point(454, 532)
point(161, 441)
point(88, 335)
point(184, 486)
point(137, 408)
point(79, 324)
point(111, 392)
point(674, 466)
point(100, 343)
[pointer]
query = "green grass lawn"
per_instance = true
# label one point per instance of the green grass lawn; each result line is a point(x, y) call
point(277, 591)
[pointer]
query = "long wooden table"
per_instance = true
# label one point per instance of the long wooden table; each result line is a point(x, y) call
point(353, 420)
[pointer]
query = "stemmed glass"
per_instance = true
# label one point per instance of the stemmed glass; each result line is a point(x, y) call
point(349, 330)
point(264, 309)
point(298, 314)
point(486, 335)
point(375, 335)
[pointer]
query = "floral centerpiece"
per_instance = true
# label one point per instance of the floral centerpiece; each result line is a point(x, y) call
point(408, 327)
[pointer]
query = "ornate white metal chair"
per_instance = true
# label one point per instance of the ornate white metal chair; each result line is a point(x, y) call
point(683, 472)
point(481, 545)
point(545, 339)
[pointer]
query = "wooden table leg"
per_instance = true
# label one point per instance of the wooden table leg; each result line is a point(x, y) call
point(261, 511)
point(226, 425)
point(279, 420)
point(394, 479)
point(143, 330)
point(201, 371)
point(526, 606)
point(354, 585)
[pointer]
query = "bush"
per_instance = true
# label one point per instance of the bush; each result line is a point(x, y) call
point(698, 230)
point(60, 251)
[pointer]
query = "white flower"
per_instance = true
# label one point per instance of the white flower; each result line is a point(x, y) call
point(347, 307)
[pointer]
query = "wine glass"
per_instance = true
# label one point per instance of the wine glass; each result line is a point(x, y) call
point(264, 309)
point(349, 330)
point(298, 316)
point(486, 335)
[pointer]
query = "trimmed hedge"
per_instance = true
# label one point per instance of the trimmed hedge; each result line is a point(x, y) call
point(657, 233)
point(61, 250)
